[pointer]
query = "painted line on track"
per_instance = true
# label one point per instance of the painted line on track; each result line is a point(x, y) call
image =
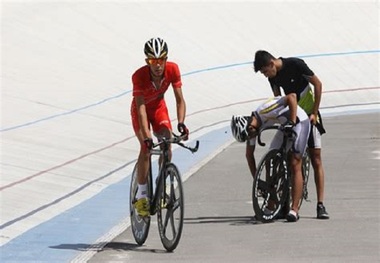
point(5, 129)
point(16, 247)
point(67, 235)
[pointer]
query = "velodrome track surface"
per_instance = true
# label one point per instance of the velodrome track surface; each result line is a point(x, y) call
point(67, 146)
point(219, 225)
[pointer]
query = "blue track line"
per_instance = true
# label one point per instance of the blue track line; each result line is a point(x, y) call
point(186, 74)
point(63, 237)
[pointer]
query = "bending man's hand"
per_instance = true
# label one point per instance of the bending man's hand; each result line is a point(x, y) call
point(288, 127)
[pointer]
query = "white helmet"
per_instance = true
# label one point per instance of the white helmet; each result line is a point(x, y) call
point(239, 127)
point(156, 48)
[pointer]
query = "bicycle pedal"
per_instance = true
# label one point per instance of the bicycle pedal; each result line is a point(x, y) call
point(146, 219)
point(163, 204)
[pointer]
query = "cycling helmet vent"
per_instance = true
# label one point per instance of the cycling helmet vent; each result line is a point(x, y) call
point(239, 127)
point(156, 48)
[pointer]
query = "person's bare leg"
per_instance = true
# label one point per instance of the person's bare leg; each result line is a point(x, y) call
point(319, 178)
point(297, 182)
point(165, 133)
point(319, 174)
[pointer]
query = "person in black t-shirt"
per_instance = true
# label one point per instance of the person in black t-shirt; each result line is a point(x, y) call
point(294, 76)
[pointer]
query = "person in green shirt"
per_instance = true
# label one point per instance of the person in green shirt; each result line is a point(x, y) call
point(292, 75)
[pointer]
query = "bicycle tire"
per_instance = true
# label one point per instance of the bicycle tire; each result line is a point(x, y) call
point(305, 174)
point(170, 208)
point(139, 225)
point(270, 186)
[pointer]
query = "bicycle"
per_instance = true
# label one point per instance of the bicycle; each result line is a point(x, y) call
point(167, 200)
point(271, 194)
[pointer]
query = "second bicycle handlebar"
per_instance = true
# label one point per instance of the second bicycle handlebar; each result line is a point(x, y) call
point(273, 127)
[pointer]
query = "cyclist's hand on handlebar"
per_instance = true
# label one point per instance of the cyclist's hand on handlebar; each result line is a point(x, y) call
point(183, 130)
point(148, 143)
point(288, 126)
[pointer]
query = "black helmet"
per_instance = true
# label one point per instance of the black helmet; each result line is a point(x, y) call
point(239, 127)
point(156, 48)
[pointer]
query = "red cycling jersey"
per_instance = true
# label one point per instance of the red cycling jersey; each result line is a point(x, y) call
point(154, 97)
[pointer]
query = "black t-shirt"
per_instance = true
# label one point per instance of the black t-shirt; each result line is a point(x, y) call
point(293, 77)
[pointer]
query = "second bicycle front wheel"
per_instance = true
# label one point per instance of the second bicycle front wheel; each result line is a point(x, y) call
point(305, 175)
point(170, 210)
point(270, 186)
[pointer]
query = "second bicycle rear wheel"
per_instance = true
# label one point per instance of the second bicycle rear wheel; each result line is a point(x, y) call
point(170, 210)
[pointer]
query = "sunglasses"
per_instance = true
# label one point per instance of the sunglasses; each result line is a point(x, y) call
point(156, 61)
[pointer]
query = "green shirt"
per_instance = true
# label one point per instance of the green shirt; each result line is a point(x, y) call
point(306, 101)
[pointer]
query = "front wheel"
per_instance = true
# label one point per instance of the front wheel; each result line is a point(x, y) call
point(270, 186)
point(305, 175)
point(170, 208)
point(140, 225)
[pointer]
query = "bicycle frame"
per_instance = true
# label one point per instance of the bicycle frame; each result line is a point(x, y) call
point(166, 198)
point(164, 152)
point(305, 158)
point(271, 194)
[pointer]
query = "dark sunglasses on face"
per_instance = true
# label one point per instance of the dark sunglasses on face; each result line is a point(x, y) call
point(156, 61)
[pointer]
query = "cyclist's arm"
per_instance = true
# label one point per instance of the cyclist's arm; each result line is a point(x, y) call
point(291, 101)
point(143, 118)
point(317, 96)
point(181, 105)
point(250, 156)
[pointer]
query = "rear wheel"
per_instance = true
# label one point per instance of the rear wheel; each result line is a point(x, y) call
point(170, 210)
point(270, 186)
point(140, 225)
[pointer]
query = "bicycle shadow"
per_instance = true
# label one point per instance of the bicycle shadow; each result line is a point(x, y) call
point(232, 220)
point(237, 220)
point(115, 246)
point(125, 246)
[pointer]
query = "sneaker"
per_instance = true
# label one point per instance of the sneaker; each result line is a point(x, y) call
point(142, 207)
point(292, 216)
point(321, 212)
point(281, 215)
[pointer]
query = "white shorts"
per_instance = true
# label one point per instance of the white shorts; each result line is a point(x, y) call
point(315, 138)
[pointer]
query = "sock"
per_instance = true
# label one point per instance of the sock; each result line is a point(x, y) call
point(142, 191)
point(319, 203)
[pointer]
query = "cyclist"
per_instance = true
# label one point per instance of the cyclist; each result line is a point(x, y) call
point(149, 110)
point(282, 110)
point(294, 76)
